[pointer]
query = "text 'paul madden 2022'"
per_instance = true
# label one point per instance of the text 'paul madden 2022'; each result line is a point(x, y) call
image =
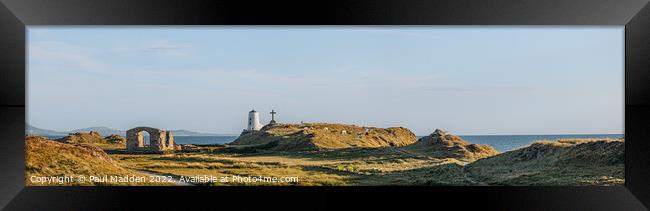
point(325, 106)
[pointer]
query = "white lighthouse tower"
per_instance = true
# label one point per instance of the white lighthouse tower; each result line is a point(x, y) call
point(254, 121)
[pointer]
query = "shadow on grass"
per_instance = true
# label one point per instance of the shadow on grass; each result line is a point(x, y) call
point(449, 174)
point(383, 153)
point(114, 151)
point(193, 159)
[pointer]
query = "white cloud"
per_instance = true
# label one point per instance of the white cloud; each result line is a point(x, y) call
point(166, 48)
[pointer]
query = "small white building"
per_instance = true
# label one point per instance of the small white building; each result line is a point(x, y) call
point(254, 121)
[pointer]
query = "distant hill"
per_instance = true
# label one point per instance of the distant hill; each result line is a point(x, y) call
point(31, 130)
point(319, 136)
point(105, 131)
point(102, 130)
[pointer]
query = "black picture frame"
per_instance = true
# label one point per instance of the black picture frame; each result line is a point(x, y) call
point(15, 15)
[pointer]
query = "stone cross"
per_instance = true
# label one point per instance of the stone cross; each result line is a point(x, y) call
point(273, 115)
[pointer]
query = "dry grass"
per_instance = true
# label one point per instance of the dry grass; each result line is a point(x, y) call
point(563, 162)
point(49, 158)
point(318, 136)
point(372, 166)
point(401, 165)
point(94, 138)
point(192, 164)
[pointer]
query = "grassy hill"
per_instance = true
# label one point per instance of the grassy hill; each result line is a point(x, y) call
point(50, 158)
point(441, 144)
point(316, 136)
point(95, 138)
point(339, 154)
point(563, 162)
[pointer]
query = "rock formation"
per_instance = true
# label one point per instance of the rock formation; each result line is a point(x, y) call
point(444, 145)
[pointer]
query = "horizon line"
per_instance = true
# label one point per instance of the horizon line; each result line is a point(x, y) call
point(235, 134)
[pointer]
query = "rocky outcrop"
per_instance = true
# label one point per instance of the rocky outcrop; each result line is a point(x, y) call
point(441, 144)
point(320, 136)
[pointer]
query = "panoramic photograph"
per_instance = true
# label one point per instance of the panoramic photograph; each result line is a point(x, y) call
point(325, 106)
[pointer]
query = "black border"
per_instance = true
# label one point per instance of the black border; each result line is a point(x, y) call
point(634, 14)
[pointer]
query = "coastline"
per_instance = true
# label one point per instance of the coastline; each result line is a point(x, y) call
point(501, 143)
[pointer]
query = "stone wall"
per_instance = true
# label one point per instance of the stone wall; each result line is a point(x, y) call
point(159, 140)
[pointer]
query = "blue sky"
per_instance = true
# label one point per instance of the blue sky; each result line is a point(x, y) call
point(467, 80)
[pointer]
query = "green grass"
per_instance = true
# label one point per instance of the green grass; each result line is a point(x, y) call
point(193, 164)
point(345, 167)
point(566, 162)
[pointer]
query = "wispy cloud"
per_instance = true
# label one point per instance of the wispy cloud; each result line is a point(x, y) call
point(167, 49)
point(164, 46)
point(72, 57)
point(474, 88)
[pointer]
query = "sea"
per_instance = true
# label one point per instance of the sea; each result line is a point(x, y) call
point(501, 143)
point(189, 139)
